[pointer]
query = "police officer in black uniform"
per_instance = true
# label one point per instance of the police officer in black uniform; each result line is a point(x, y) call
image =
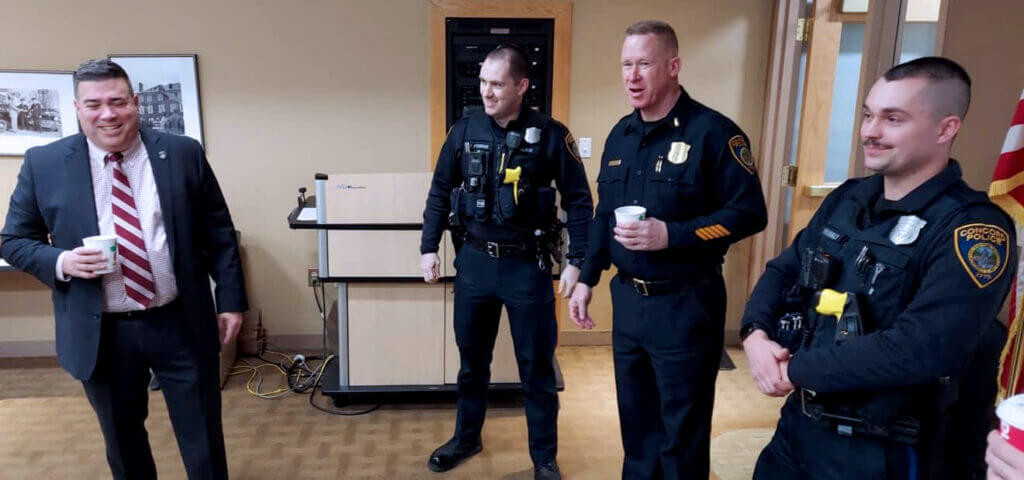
point(691, 168)
point(873, 313)
point(493, 185)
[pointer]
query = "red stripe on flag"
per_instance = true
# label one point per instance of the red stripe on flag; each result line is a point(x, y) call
point(1008, 165)
point(1018, 116)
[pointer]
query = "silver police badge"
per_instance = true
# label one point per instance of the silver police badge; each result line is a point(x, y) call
point(532, 135)
point(906, 230)
point(678, 152)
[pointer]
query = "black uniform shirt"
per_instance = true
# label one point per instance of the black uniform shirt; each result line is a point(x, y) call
point(693, 170)
point(939, 285)
point(559, 162)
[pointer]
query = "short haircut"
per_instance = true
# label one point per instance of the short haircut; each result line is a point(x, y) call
point(518, 66)
point(948, 82)
point(660, 29)
point(98, 70)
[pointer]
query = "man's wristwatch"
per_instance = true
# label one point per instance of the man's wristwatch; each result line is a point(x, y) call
point(749, 328)
point(576, 262)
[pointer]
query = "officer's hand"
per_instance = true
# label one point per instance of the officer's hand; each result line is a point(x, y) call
point(1004, 461)
point(650, 234)
point(567, 280)
point(82, 262)
point(430, 264)
point(765, 358)
point(578, 306)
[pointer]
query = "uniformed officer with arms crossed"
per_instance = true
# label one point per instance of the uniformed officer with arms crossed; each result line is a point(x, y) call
point(493, 184)
point(871, 315)
point(692, 169)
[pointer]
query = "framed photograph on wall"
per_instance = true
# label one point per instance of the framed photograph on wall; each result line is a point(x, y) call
point(36, 108)
point(168, 90)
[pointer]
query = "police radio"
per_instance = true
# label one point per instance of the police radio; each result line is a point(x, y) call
point(817, 270)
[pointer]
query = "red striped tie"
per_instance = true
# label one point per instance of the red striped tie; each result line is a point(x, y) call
point(138, 275)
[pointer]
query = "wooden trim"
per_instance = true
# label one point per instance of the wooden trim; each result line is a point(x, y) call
point(815, 114)
point(561, 12)
point(850, 17)
point(579, 337)
point(882, 39)
point(28, 348)
point(940, 27)
point(777, 124)
point(836, 13)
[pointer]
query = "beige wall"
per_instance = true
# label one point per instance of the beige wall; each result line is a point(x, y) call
point(987, 42)
point(293, 88)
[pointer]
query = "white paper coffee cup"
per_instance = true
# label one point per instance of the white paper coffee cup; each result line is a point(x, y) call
point(629, 214)
point(107, 245)
point(1011, 420)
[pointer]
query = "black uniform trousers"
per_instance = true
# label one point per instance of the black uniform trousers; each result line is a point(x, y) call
point(803, 448)
point(667, 350)
point(482, 285)
point(190, 382)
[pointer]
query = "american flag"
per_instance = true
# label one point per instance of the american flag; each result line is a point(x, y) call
point(1007, 190)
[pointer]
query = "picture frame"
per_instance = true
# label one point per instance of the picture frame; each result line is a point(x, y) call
point(37, 107)
point(168, 90)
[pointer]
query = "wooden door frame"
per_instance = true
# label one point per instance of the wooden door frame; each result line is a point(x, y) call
point(778, 122)
point(882, 21)
point(561, 12)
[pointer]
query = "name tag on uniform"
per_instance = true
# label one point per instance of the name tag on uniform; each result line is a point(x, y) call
point(906, 230)
point(678, 152)
point(615, 163)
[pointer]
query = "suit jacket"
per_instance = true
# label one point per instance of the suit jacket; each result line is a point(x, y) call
point(53, 207)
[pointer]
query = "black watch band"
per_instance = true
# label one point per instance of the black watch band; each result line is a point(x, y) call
point(750, 328)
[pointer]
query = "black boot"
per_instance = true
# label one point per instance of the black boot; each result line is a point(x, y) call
point(547, 471)
point(449, 455)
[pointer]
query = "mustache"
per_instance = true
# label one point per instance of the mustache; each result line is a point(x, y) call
point(875, 143)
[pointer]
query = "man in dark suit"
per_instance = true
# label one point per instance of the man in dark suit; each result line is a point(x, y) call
point(157, 194)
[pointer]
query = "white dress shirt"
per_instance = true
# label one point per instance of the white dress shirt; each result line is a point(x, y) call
point(137, 167)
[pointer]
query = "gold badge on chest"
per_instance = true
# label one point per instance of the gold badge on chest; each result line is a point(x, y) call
point(678, 152)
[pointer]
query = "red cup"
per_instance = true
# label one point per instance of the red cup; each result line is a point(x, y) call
point(1011, 421)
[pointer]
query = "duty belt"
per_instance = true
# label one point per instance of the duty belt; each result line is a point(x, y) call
point(904, 429)
point(650, 288)
point(501, 250)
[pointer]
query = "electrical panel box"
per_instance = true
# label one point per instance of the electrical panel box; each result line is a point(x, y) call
point(469, 40)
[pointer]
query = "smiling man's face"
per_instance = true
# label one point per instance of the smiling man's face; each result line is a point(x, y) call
point(108, 112)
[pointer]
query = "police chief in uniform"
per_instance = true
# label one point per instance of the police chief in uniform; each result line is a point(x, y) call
point(493, 186)
point(691, 168)
point(873, 313)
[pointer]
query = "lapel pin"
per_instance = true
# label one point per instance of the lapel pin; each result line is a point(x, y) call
point(162, 154)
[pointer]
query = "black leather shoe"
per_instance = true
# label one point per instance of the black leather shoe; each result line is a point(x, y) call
point(449, 455)
point(546, 471)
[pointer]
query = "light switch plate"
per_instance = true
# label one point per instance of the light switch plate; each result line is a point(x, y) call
point(585, 144)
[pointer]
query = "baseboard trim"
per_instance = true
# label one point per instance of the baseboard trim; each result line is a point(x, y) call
point(602, 337)
point(28, 348)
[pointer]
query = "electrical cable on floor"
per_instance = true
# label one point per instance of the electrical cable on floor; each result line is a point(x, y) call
point(329, 410)
point(299, 375)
